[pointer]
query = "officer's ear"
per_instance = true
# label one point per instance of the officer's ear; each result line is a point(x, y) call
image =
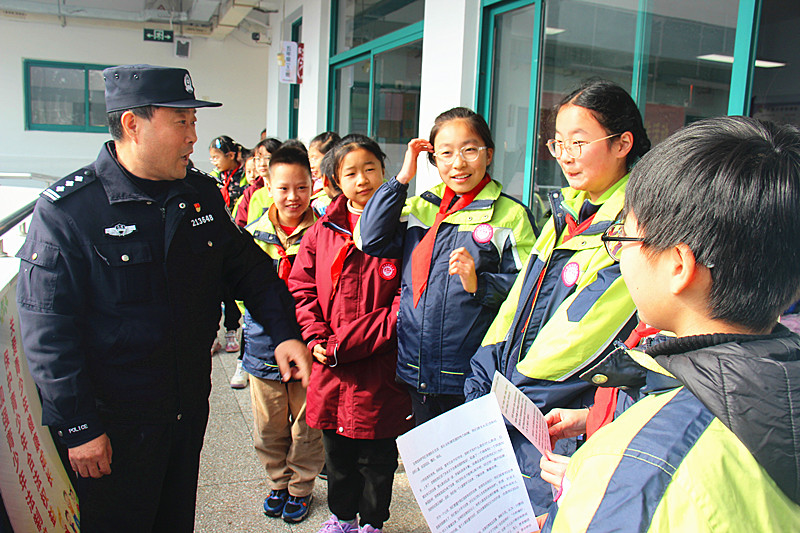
point(130, 125)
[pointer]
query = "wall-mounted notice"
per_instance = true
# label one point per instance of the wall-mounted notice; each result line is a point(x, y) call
point(287, 62)
point(36, 492)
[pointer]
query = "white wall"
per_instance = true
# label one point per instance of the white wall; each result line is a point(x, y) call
point(229, 71)
point(449, 68)
point(312, 118)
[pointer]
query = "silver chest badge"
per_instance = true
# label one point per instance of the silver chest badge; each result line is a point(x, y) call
point(120, 230)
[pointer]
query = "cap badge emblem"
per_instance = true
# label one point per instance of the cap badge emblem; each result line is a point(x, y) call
point(187, 82)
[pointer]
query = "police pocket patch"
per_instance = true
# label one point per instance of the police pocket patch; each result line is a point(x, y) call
point(38, 276)
point(129, 276)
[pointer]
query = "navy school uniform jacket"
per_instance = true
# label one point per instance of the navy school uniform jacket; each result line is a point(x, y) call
point(437, 338)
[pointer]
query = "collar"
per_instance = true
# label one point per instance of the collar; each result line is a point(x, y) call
point(288, 240)
point(678, 345)
point(119, 188)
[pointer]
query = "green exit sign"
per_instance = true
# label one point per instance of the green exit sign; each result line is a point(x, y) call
point(161, 36)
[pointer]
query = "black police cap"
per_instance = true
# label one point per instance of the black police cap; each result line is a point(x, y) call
point(130, 86)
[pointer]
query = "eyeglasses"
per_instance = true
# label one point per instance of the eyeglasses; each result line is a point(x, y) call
point(467, 153)
point(571, 146)
point(613, 238)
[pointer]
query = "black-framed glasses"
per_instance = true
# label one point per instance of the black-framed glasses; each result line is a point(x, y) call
point(613, 238)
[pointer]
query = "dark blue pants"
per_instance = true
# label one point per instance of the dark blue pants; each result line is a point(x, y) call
point(153, 480)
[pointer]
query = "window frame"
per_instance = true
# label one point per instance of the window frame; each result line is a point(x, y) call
point(367, 51)
point(87, 127)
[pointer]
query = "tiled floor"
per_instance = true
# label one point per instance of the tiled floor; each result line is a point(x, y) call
point(232, 483)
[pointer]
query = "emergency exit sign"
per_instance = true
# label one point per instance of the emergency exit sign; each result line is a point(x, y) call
point(161, 36)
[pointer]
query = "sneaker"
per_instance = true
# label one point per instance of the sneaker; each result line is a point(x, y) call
point(231, 342)
point(296, 508)
point(274, 503)
point(369, 529)
point(333, 525)
point(240, 378)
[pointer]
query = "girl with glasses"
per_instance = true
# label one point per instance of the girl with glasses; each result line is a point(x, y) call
point(564, 314)
point(462, 243)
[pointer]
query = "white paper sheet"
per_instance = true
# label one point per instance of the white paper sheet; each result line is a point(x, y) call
point(521, 412)
point(464, 474)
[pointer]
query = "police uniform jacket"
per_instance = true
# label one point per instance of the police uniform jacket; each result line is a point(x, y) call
point(119, 297)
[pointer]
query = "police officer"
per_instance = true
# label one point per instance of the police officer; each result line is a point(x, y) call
point(121, 277)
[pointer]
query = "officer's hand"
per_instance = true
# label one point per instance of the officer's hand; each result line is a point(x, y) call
point(294, 351)
point(92, 459)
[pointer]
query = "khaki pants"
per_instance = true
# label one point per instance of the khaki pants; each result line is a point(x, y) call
point(290, 451)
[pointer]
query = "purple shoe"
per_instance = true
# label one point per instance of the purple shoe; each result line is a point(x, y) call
point(333, 525)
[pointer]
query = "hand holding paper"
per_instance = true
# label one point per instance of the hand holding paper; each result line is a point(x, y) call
point(521, 412)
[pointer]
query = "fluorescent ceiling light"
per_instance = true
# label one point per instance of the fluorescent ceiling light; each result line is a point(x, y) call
point(15, 175)
point(719, 58)
point(553, 31)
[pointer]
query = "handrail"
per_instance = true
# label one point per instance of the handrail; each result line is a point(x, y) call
point(16, 217)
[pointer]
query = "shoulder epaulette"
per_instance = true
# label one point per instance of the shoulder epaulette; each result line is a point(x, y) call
point(198, 172)
point(68, 185)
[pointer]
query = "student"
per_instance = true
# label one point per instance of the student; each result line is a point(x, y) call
point(317, 148)
point(570, 306)
point(347, 306)
point(329, 187)
point(263, 152)
point(289, 449)
point(462, 244)
point(713, 446)
point(224, 153)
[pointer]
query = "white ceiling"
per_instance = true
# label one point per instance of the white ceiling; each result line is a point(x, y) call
point(215, 18)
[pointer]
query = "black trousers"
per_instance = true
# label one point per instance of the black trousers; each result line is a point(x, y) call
point(428, 406)
point(360, 477)
point(153, 480)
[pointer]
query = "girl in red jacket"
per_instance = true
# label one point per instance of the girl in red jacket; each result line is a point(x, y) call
point(347, 304)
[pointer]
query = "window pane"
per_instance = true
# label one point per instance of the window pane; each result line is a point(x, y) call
point(688, 77)
point(776, 85)
point(360, 21)
point(57, 96)
point(97, 99)
point(511, 85)
point(396, 103)
point(579, 43)
point(351, 106)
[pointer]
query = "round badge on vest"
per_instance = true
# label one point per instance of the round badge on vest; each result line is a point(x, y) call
point(483, 233)
point(570, 274)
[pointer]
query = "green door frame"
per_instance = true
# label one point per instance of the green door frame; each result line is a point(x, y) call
point(744, 57)
point(359, 53)
point(294, 88)
point(483, 99)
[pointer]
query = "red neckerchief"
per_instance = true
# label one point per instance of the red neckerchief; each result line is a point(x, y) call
point(423, 253)
point(338, 262)
point(573, 228)
point(605, 398)
point(284, 265)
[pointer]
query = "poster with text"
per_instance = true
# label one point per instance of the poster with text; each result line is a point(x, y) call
point(37, 493)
